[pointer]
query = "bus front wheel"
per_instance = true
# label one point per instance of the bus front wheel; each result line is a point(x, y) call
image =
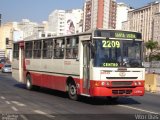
point(72, 91)
point(29, 85)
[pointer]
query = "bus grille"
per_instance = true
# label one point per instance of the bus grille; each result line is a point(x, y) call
point(121, 92)
point(121, 83)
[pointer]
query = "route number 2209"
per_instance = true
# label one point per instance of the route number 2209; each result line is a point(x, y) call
point(110, 44)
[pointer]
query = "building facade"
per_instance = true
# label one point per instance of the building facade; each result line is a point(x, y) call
point(73, 21)
point(27, 27)
point(156, 27)
point(6, 39)
point(99, 14)
point(142, 20)
point(122, 14)
point(56, 22)
point(64, 22)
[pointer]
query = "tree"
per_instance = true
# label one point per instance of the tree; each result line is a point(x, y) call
point(153, 48)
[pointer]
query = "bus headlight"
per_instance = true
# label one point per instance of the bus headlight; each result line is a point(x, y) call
point(139, 83)
point(135, 83)
point(108, 83)
point(102, 83)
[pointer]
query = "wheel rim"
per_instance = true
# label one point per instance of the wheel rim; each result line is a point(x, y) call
point(72, 90)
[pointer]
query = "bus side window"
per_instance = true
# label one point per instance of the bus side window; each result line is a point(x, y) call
point(47, 48)
point(16, 51)
point(28, 49)
point(75, 47)
point(37, 49)
point(72, 48)
point(59, 49)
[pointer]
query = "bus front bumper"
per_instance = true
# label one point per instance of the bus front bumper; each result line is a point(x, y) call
point(104, 91)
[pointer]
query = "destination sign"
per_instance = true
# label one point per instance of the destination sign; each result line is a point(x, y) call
point(110, 64)
point(125, 35)
point(117, 34)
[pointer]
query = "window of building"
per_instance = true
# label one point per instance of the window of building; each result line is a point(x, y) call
point(59, 48)
point(47, 48)
point(72, 48)
point(37, 49)
point(28, 49)
point(16, 51)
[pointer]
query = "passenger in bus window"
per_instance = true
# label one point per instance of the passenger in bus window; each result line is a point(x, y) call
point(75, 53)
point(68, 54)
point(57, 45)
point(61, 53)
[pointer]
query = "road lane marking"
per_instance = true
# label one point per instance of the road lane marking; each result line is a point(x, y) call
point(40, 112)
point(151, 112)
point(43, 113)
point(18, 103)
point(8, 102)
point(2, 97)
point(14, 108)
point(23, 117)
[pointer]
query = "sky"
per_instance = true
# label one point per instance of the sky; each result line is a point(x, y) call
point(39, 10)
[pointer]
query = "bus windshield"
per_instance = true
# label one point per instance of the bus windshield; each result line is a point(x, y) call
point(117, 53)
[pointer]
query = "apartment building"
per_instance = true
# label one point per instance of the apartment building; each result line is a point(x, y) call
point(142, 20)
point(6, 35)
point(56, 22)
point(64, 22)
point(122, 15)
point(99, 14)
point(156, 27)
point(27, 27)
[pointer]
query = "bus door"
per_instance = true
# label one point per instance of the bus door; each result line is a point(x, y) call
point(86, 66)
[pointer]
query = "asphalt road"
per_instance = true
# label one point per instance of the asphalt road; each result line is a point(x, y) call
point(17, 103)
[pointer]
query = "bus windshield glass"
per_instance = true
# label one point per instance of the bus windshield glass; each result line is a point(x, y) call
point(117, 53)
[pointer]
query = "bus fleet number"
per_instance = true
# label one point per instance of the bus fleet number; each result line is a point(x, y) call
point(111, 44)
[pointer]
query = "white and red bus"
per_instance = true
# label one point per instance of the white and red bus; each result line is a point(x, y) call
point(98, 63)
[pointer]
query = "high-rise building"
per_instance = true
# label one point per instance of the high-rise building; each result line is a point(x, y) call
point(63, 22)
point(156, 27)
point(112, 14)
point(27, 27)
point(73, 21)
point(6, 39)
point(56, 22)
point(142, 20)
point(122, 14)
point(99, 14)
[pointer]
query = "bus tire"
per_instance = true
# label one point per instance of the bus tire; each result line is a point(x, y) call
point(72, 91)
point(29, 85)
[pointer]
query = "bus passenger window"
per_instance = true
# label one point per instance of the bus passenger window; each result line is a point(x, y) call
point(37, 49)
point(68, 53)
point(47, 48)
point(72, 48)
point(59, 49)
point(75, 52)
point(16, 51)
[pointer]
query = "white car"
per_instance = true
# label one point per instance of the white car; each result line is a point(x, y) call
point(7, 68)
